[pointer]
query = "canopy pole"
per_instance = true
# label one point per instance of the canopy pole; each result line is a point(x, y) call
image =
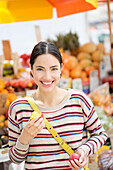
point(110, 31)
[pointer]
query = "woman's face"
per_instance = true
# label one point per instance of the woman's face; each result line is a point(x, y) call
point(46, 72)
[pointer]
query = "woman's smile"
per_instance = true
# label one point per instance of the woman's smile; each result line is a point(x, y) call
point(46, 83)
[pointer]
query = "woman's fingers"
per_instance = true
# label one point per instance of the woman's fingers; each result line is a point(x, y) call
point(73, 165)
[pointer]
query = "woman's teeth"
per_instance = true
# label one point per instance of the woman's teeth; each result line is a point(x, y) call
point(47, 83)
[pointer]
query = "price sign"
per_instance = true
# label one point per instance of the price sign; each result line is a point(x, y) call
point(16, 62)
point(107, 63)
point(103, 72)
point(6, 49)
point(65, 83)
point(1, 66)
point(77, 84)
point(94, 80)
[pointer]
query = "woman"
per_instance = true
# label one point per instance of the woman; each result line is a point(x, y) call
point(70, 112)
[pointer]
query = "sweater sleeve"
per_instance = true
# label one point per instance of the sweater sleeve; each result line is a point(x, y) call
point(17, 151)
point(97, 134)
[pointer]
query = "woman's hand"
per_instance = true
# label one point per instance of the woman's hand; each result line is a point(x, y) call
point(32, 128)
point(76, 165)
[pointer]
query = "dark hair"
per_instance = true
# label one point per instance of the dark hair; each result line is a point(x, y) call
point(45, 48)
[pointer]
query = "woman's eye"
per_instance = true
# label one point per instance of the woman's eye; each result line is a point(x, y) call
point(54, 69)
point(39, 69)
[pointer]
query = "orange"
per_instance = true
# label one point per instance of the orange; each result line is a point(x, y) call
point(83, 74)
point(11, 97)
point(89, 69)
point(65, 57)
point(4, 91)
point(75, 73)
point(65, 72)
point(2, 85)
point(7, 102)
point(71, 63)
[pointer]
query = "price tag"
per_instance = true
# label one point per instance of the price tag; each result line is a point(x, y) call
point(94, 80)
point(1, 66)
point(77, 84)
point(6, 49)
point(107, 63)
point(103, 72)
point(65, 83)
point(16, 62)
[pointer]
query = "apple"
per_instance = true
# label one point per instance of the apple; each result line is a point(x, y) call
point(14, 83)
point(23, 83)
point(74, 156)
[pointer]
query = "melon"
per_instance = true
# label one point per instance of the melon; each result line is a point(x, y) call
point(97, 56)
point(85, 63)
point(83, 55)
point(88, 48)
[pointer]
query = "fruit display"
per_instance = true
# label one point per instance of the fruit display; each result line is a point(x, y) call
point(7, 96)
point(20, 85)
point(86, 59)
point(101, 97)
point(107, 121)
point(8, 69)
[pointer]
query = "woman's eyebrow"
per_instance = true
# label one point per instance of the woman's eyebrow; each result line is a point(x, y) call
point(44, 67)
point(54, 66)
point(40, 66)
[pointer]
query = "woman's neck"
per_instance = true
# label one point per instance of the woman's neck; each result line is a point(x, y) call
point(50, 99)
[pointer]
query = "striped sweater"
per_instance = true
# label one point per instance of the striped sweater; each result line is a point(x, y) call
point(73, 119)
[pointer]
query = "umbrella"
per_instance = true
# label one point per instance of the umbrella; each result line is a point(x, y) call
point(27, 10)
point(110, 28)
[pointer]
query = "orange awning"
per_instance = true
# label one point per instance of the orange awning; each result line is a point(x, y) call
point(27, 10)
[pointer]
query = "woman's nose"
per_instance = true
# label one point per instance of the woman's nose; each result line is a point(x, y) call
point(47, 75)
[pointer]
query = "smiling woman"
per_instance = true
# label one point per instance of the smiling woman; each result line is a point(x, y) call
point(70, 112)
